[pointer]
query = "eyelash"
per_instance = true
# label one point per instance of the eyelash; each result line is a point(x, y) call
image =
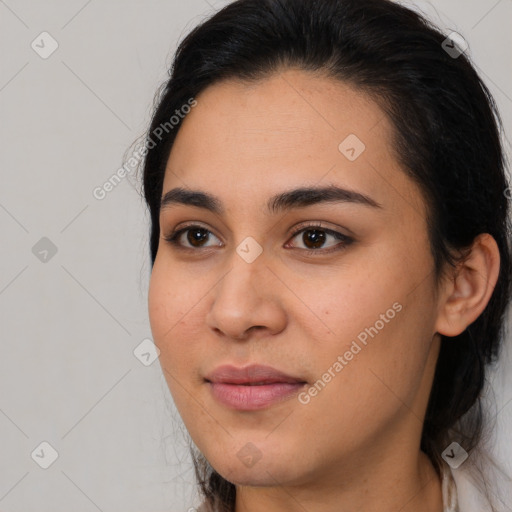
point(173, 238)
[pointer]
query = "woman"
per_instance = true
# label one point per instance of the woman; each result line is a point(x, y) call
point(331, 260)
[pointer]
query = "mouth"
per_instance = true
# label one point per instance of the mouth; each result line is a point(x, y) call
point(255, 374)
point(252, 387)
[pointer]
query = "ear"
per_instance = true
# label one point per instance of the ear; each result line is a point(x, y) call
point(469, 287)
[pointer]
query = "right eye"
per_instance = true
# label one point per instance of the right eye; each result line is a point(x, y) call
point(195, 236)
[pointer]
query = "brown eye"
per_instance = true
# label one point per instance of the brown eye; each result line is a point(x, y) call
point(196, 236)
point(314, 238)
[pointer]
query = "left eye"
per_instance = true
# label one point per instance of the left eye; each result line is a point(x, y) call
point(314, 237)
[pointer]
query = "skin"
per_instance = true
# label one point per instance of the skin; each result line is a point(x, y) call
point(355, 445)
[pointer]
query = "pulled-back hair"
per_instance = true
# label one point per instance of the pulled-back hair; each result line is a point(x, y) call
point(446, 137)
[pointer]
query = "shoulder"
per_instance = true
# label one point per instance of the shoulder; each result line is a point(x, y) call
point(449, 488)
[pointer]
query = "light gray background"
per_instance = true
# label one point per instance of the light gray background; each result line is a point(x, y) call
point(68, 374)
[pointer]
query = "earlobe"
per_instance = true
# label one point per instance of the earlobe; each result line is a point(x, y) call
point(468, 291)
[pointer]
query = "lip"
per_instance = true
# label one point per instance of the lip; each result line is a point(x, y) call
point(252, 387)
point(251, 374)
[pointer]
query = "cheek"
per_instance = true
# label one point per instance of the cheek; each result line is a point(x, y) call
point(378, 316)
point(171, 302)
point(337, 305)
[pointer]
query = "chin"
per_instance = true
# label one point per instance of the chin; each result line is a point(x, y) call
point(268, 471)
point(260, 476)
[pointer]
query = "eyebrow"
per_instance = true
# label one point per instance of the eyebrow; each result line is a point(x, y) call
point(288, 200)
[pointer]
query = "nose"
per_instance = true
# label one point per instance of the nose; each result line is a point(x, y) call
point(247, 299)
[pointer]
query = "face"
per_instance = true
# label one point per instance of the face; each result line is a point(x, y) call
point(337, 294)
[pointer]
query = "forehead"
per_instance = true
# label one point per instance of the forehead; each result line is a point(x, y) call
point(293, 128)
